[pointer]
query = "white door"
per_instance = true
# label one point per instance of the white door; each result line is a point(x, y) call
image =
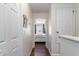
point(8, 30)
point(65, 23)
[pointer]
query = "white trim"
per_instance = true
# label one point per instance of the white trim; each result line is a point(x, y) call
point(54, 54)
point(49, 51)
point(73, 38)
point(48, 48)
point(30, 52)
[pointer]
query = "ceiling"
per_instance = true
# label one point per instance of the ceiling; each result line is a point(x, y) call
point(40, 7)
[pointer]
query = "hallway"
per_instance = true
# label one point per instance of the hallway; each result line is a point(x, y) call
point(24, 27)
point(40, 50)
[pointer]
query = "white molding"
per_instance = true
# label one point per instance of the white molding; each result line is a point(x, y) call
point(30, 52)
point(73, 38)
point(49, 51)
point(54, 54)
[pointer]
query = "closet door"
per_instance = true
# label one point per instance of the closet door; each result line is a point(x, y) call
point(65, 18)
point(65, 24)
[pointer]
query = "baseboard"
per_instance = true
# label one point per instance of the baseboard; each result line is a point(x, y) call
point(54, 54)
point(49, 51)
point(30, 50)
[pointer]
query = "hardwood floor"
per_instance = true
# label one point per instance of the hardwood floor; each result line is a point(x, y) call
point(40, 50)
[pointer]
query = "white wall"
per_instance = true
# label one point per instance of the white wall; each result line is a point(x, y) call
point(27, 36)
point(49, 32)
point(40, 15)
point(52, 26)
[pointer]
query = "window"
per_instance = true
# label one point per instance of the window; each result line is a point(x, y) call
point(39, 28)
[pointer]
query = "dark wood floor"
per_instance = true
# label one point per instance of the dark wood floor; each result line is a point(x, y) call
point(40, 50)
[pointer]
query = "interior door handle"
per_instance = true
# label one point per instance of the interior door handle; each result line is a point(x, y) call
point(14, 38)
point(57, 32)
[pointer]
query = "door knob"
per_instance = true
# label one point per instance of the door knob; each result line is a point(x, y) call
point(14, 38)
point(57, 32)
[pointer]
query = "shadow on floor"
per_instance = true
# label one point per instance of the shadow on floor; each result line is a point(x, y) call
point(40, 50)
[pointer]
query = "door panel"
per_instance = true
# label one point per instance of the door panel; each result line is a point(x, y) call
point(65, 21)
